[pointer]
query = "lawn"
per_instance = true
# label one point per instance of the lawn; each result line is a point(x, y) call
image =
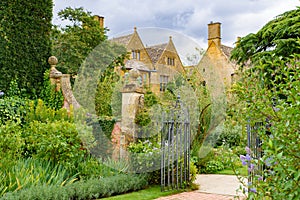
point(150, 193)
point(242, 171)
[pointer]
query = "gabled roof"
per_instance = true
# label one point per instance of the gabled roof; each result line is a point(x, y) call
point(134, 64)
point(226, 50)
point(156, 51)
point(123, 39)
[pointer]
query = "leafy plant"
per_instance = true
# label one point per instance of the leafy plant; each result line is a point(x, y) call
point(89, 189)
point(51, 98)
point(26, 173)
point(269, 93)
point(54, 141)
point(11, 141)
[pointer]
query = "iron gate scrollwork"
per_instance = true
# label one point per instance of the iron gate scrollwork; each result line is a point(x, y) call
point(175, 147)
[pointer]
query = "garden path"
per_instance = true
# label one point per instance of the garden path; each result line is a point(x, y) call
point(212, 187)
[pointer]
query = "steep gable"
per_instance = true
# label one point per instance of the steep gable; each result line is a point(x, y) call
point(124, 40)
point(170, 52)
point(156, 51)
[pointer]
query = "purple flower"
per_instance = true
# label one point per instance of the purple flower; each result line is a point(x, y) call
point(253, 190)
point(243, 159)
point(251, 167)
point(248, 157)
point(248, 150)
point(260, 178)
point(1, 93)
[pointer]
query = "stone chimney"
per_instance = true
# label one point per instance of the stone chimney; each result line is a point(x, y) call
point(100, 19)
point(214, 33)
point(238, 39)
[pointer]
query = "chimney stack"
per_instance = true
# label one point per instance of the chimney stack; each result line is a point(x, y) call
point(214, 33)
point(100, 19)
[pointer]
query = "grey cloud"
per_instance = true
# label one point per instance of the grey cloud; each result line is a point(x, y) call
point(238, 17)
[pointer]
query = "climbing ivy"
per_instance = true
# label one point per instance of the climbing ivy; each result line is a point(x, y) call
point(52, 98)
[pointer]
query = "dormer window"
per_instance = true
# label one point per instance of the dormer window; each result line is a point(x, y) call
point(135, 54)
point(171, 61)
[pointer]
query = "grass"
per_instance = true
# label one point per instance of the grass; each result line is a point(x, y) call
point(150, 193)
point(242, 171)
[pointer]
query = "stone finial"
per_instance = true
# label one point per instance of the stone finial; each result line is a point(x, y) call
point(52, 60)
point(134, 74)
point(54, 73)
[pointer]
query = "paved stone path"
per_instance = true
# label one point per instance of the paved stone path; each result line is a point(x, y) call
point(212, 187)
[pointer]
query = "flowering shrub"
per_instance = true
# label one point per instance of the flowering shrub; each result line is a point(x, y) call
point(280, 176)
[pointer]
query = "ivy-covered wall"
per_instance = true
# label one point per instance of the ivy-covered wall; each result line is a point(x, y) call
point(25, 44)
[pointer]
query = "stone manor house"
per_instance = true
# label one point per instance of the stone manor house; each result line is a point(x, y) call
point(160, 63)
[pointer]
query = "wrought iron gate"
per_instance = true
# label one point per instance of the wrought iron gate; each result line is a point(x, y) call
point(254, 144)
point(175, 147)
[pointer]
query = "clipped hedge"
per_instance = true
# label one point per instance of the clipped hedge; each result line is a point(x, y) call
point(90, 189)
point(25, 43)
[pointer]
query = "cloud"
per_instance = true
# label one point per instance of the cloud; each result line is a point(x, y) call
point(238, 17)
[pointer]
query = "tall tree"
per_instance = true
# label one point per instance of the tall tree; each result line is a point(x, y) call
point(279, 37)
point(73, 43)
point(25, 43)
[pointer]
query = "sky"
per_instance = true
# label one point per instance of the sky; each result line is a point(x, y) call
point(188, 18)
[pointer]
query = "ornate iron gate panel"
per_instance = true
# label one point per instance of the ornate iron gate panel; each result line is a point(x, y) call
point(175, 148)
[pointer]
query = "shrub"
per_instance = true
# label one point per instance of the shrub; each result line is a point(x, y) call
point(25, 43)
point(38, 111)
point(11, 141)
point(89, 189)
point(213, 166)
point(13, 109)
point(55, 141)
point(145, 158)
point(230, 136)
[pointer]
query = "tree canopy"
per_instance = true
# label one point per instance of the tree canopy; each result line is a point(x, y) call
point(73, 43)
point(278, 38)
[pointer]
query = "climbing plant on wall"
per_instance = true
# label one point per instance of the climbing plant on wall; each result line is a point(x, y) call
point(24, 43)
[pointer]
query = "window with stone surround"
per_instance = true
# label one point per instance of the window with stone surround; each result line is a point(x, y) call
point(163, 82)
point(135, 54)
point(171, 61)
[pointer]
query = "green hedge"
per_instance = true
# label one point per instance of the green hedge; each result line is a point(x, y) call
point(25, 43)
point(90, 189)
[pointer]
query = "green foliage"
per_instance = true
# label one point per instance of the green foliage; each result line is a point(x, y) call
point(218, 159)
point(24, 43)
point(40, 112)
point(213, 166)
point(52, 98)
point(11, 141)
point(13, 109)
point(73, 43)
point(145, 158)
point(231, 136)
point(54, 141)
point(278, 38)
point(280, 106)
point(104, 93)
point(89, 189)
point(269, 93)
point(142, 117)
point(150, 99)
point(26, 173)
